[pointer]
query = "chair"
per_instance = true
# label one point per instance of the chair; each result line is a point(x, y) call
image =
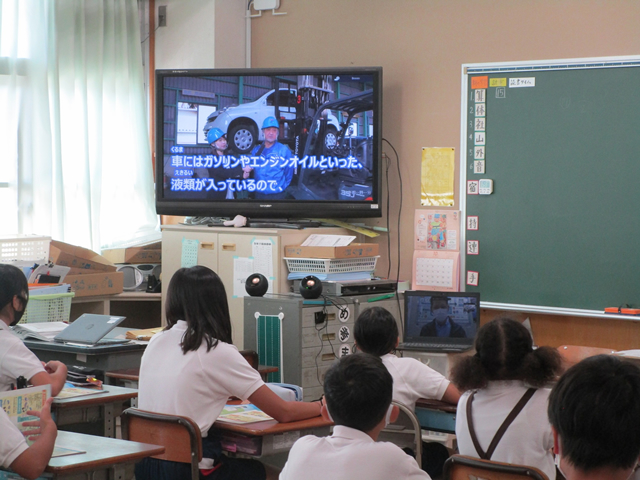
point(404, 432)
point(180, 436)
point(461, 467)
point(251, 356)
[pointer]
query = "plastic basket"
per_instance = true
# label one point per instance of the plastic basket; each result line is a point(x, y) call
point(48, 308)
point(331, 265)
point(24, 248)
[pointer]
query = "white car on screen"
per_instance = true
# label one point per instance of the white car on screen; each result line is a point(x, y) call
point(242, 122)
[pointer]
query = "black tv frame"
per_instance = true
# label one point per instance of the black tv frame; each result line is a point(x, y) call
point(281, 209)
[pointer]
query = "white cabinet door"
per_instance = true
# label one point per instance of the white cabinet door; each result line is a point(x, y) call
point(239, 255)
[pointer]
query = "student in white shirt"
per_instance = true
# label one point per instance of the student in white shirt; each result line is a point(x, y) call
point(376, 332)
point(28, 461)
point(16, 360)
point(505, 372)
point(595, 416)
point(357, 391)
point(192, 368)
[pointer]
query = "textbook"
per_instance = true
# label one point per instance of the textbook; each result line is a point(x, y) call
point(16, 404)
point(144, 334)
point(44, 331)
point(70, 392)
point(244, 413)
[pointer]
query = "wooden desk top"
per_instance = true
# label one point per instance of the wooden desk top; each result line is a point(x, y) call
point(270, 427)
point(572, 354)
point(100, 452)
point(436, 405)
point(109, 394)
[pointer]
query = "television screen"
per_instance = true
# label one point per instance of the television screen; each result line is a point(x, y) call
point(285, 143)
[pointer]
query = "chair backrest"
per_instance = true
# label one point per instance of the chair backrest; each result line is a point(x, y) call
point(252, 357)
point(180, 436)
point(462, 467)
point(404, 432)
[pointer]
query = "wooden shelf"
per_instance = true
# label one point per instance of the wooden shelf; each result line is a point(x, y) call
point(135, 306)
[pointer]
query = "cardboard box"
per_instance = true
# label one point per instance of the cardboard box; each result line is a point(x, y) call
point(96, 283)
point(133, 255)
point(61, 253)
point(349, 251)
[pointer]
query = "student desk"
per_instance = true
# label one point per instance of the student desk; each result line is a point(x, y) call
point(93, 414)
point(105, 358)
point(436, 415)
point(260, 439)
point(105, 458)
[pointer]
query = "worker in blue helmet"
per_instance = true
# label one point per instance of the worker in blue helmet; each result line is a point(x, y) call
point(215, 134)
point(221, 171)
point(274, 171)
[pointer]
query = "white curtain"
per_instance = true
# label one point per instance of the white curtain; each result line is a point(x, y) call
point(74, 143)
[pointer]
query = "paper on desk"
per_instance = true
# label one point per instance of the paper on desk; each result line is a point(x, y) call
point(317, 240)
point(64, 451)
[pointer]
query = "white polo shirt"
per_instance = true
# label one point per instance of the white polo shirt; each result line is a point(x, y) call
point(413, 379)
point(12, 442)
point(348, 454)
point(196, 384)
point(527, 441)
point(15, 359)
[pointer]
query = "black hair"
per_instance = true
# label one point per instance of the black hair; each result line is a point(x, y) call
point(358, 391)
point(12, 282)
point(438, 299)
point(504, 351)
point(376, 331)
point(197, 296)
point(595, 410)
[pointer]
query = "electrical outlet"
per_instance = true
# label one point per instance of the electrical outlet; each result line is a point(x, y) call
point(162, 16)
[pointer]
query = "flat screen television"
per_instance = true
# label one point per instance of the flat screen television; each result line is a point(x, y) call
point(321, 156)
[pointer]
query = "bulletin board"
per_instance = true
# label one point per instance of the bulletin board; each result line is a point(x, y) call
point(551, 171)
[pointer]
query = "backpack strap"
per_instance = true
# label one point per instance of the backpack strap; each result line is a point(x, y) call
point(503, 428)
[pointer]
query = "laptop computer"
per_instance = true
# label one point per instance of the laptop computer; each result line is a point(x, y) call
point(440, 321)
point(89, 329)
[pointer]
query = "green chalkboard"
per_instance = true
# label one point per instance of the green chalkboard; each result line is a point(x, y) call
point(562, 226)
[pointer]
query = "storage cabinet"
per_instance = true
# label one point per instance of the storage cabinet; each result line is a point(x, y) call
point(304, 337)
point(227, 251)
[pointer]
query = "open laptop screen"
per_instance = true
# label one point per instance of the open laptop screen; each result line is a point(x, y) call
point(442, 317)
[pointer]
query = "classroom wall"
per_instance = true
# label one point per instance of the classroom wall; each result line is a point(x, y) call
point(421, 45)
point(201, 34)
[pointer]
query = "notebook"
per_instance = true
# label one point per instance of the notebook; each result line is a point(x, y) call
point(440, 321)
point(89, 329)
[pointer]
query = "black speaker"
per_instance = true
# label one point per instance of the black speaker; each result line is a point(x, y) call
point(310, 287)
point(256, 285)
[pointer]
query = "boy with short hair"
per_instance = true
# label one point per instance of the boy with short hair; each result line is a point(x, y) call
point(16, 360)
point(595, 417)
point(28, 461)
point(358, 390)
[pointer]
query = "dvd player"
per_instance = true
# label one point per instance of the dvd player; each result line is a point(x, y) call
point(356, 287)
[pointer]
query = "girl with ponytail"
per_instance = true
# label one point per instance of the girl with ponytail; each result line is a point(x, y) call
point(502, 415)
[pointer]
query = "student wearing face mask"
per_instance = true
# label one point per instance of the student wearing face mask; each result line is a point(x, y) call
point(16, 360)
point(442, 325)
